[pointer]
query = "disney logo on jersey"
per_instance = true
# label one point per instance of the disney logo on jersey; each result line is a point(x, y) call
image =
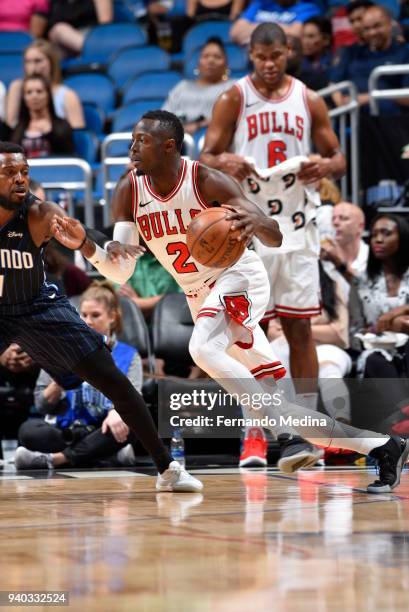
point(14, 235)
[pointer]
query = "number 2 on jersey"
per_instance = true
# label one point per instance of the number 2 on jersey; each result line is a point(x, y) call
point(276, 152)
point(180, 264)
point(1, 285)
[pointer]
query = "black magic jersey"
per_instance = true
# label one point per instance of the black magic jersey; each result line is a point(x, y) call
point(21, 263)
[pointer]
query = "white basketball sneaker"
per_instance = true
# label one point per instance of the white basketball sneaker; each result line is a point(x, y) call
point(176, 479)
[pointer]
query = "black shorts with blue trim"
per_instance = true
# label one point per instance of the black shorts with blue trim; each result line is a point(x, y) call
point(52, 332)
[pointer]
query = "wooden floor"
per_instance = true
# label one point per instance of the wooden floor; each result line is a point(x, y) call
point(254, 541)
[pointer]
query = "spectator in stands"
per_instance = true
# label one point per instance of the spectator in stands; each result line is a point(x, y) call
point(355, 11)
point(18, 375)
point(81, 427)
point(68, 22)
point(383, 289)
point(316, 41)
point(314, 80)
point(41, 58)
point(348, 252)
point(203, 10)
point(39, 130)
point(192, 100)
point(379, 48)
point(23, 15)
point(289, 14)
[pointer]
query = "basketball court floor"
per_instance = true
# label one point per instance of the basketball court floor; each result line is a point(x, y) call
point(253, 541)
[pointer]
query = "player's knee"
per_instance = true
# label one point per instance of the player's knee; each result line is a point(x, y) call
point(200, 351)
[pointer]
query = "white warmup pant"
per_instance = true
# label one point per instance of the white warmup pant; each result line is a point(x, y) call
point(228, 344)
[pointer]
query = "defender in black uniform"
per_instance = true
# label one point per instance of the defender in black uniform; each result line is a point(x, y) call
point(48, 328)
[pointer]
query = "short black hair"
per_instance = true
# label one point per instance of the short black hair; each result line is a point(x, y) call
point(357, 4)
point(168, 123)
point(401, 257)
point(268, 34)
point(322, 23)
point(215, 40)
point(10, 147)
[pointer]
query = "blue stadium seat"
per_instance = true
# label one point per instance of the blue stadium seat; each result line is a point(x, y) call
point(86, 145)
point(198, 35)
point(135, 60)
point(14, 42)
point(11, 67)
point(94, 118)
point(237, 60)
point(124, 119)
point(104, 40)
point(93, 86)
point(150, 85)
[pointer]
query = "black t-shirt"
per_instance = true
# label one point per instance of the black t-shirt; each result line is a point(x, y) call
point(78, 13)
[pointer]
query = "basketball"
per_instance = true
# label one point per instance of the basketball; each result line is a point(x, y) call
point(211, 241)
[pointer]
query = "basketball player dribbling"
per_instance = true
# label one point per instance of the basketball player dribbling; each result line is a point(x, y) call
point(158, 199)
point(49, 329)
point(271, 117)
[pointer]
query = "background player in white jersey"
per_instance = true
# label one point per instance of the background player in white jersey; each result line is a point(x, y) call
point(270, 117)
point(227, 341)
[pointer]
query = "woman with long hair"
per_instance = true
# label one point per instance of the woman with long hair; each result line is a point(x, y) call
point(41, 58)
point(384, 295)
point(81, 427)
point(39, 131)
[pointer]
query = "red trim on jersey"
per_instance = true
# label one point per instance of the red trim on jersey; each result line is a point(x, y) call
point(297, 310)
point(297, 313)
point(276, 100)
point(305, 98)
point(241, 109)
point(274, 368)
point(208, 312)
point(180, 179)
point(195, 184)
point(134, 188)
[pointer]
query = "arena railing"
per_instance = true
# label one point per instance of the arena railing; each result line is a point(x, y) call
point(376, 94)
point(118, 164)
point(339, 115)
point(69, 174)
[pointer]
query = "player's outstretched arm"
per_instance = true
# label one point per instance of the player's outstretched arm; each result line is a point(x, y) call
point(218, 189)
point(117, 263)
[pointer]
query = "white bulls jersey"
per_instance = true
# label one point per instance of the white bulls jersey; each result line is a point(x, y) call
point(268, 133)
point(162, 222)
point(271, 131)
point(279, 193)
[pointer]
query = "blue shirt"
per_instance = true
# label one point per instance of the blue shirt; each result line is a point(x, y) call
point(261, 11)
point(357, 62)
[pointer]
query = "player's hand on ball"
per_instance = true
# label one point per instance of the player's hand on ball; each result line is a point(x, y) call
point(245, 221)
point(116, 250)
point(69, 232)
